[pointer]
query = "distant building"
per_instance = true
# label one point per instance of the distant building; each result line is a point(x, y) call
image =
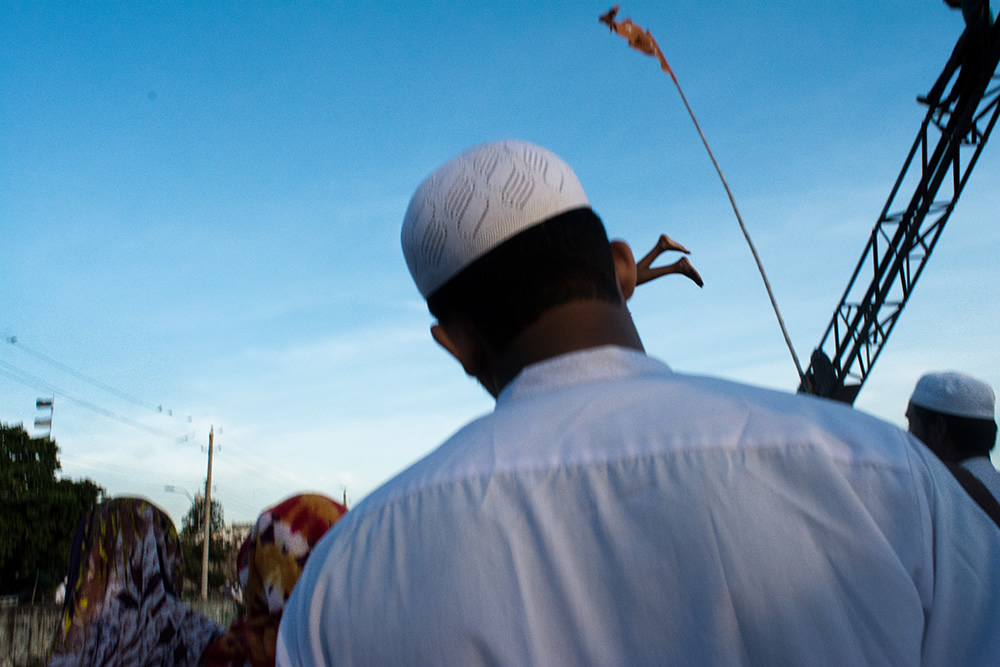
point(233, 536)
point(234, 533)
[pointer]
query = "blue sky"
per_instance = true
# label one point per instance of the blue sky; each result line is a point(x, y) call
point(200, 206)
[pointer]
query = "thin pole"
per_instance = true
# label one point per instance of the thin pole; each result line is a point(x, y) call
point(642, 41)
point(208, 515)
point(739, 218)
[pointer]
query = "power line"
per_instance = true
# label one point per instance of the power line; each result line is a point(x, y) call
point(24, 377)
point(264, 463)
point(15, 342)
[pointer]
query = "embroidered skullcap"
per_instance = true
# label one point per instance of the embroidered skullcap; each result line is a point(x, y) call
point(478, 200)
point(954, 394)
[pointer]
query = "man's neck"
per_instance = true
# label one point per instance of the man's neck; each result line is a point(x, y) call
point(575, 326)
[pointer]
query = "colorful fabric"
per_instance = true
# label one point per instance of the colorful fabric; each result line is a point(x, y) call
point(122, 602)
point(270, 562)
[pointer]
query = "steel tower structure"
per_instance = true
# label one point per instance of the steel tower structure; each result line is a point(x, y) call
point(903, 239)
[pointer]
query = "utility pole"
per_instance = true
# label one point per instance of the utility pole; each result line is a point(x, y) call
point(208, 517)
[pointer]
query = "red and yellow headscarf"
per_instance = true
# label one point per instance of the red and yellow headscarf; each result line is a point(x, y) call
point(270, 562)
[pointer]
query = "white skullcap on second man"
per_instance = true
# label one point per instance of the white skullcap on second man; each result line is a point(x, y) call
point(478, 200)
point(954, 394)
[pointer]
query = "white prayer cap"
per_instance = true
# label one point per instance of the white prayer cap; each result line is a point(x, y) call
point(954, 394)
point(478, 200)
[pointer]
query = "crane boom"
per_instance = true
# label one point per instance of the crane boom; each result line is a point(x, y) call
point(902, 241)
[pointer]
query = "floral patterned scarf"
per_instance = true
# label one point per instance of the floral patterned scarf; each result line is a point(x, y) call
point(270, 562)
point(122, 603)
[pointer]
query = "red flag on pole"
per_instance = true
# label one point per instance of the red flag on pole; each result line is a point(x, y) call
point(638, 39)
point(642, 41)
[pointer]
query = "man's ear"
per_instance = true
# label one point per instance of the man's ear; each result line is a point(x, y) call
point(624, 268)
point(461, 342)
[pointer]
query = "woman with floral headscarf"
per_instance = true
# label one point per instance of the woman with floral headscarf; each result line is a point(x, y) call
point(122, 600)
point(270, 562)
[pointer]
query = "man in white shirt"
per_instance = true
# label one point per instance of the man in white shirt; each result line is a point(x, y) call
point(611, 511)
point(953, 414)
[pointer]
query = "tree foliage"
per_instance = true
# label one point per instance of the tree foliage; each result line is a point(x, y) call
point(38, 513)
point(192, 538)
point(193, 522)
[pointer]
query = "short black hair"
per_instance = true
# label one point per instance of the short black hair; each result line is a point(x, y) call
point(563, 259)
point(973, 437)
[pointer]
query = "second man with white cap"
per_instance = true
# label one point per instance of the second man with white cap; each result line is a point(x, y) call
point(953, 414)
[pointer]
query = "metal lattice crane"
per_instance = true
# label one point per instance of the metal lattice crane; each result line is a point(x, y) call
point(902, 241)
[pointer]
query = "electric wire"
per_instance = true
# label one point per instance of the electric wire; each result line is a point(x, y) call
point(15, 342)
point(24, 377)
point(262, 462)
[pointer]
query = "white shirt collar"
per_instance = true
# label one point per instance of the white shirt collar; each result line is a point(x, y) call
point(573, 369)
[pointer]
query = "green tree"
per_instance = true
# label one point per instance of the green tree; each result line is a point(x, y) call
point(194, 521)
point(38, 513)
point(192, 537)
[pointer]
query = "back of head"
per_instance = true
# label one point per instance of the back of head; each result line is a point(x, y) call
point(270, 562)
point(278, 546)
point(123, 602)
point(500, 234)
point(110, 537)
point(964, 403)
